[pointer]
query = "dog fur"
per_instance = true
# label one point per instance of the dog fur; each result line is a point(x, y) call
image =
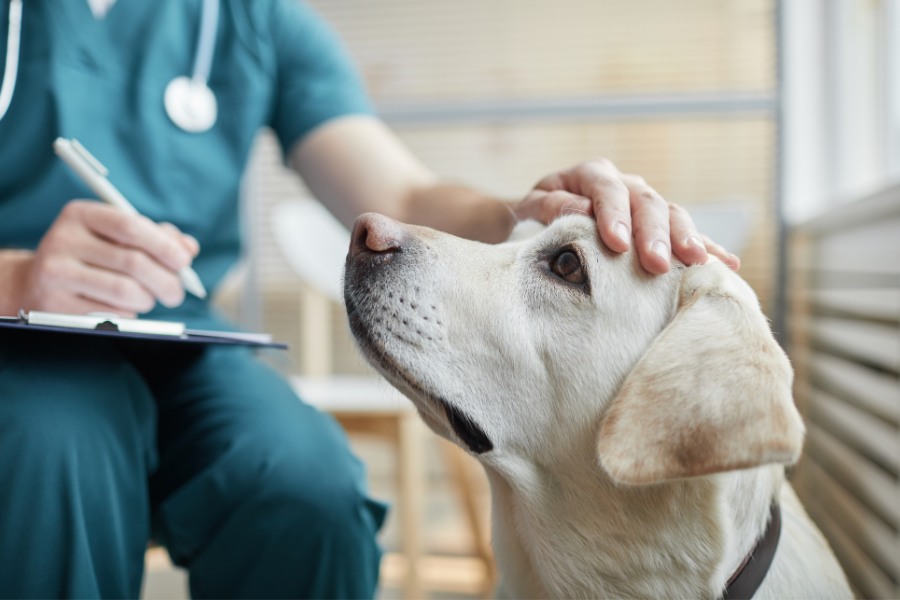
point(634, 428)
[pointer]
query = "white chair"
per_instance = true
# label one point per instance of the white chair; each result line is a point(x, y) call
point(314, 245)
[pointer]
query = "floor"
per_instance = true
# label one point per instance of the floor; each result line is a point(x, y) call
point(450, 573)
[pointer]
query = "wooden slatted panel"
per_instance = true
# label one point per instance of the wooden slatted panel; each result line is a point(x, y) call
point(415, 51)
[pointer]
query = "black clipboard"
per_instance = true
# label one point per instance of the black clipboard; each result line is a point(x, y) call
point(113, 326)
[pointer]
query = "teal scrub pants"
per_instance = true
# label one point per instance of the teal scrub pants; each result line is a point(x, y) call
point(104, 445)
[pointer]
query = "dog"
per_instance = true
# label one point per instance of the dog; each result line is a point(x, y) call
point(634, 428)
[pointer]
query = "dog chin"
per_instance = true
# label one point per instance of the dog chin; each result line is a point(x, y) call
point(467, 431)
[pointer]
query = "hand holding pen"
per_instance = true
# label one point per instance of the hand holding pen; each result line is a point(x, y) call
point(99, 257)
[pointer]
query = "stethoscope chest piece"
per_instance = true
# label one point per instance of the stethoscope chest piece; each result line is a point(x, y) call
point(191, 104)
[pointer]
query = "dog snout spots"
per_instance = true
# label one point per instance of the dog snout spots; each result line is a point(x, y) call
point(378, 235)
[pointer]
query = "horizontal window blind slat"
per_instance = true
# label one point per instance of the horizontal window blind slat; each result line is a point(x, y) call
point(870, 436)
point(871, 247)
point(865, 303)
point(871, 534)
point(870, 485)
point(862, 572)
point(869, 342)
point(872, 391)
point(887, 277)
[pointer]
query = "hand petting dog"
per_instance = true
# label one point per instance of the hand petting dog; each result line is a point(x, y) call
point(625, 206)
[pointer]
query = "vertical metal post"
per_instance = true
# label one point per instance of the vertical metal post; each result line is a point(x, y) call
point(779, 317)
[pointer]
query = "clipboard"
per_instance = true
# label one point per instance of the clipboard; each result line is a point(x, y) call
point(114, 326)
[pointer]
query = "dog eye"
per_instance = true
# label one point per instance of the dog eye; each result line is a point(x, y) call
point(567, 266)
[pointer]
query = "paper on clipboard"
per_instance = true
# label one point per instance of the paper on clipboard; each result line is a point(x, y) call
point(121, 327)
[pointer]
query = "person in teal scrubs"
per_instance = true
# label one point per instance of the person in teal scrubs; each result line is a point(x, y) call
point(104, 446)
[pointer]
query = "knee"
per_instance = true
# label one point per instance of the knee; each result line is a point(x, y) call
point(324, 494)
point(309, 482)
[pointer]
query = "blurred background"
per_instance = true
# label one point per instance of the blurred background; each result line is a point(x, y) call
point(777, 124)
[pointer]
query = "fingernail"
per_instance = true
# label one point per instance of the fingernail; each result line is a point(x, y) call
point(622, 232)
point(695, 241)
point(661, 249)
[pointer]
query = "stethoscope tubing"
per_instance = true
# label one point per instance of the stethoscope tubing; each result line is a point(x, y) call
point(10, 72)
point(206, 43)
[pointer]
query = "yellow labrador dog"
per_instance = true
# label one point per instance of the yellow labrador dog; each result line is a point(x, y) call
point(634, 428)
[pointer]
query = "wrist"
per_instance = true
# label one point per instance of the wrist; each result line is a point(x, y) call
point(14, 266)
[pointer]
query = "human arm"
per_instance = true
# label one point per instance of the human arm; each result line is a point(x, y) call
point(97, 258)
point(356, 164)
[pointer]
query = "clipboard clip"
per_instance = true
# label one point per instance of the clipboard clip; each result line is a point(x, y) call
point(102, 322)
point(107, 326)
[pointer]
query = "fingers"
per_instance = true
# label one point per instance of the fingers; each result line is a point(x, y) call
point(188, 242)
point(650, 215)
point(687, 243)
point(160, 282)
point(64, 283)
point(134, 231)
point(107, 257)
point(102, 287)
point(730, 260)
point(544, 206)
point(610, 198)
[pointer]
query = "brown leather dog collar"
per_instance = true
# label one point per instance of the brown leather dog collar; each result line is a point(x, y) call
point(749, 576)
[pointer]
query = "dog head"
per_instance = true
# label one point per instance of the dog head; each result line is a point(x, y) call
point(526, 350)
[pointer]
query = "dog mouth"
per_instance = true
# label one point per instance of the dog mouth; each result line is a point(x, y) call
point(465, 428)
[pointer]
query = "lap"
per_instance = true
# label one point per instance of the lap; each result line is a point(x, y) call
point(230, 430)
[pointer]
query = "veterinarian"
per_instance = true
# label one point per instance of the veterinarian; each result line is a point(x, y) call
point(209, 452)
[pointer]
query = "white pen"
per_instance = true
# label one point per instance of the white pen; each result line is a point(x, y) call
point(93, 173)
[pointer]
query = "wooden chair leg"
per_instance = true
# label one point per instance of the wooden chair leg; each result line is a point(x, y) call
point(409, 506)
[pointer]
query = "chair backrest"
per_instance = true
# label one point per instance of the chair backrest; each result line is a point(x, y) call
point(313, 243)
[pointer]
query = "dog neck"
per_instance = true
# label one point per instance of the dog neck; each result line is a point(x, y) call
point(747, 579)
point(562, 537)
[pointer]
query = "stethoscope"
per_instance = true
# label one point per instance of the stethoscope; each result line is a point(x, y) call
point(189, 101)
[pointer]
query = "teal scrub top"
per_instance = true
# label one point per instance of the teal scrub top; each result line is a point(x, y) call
point(276, 64)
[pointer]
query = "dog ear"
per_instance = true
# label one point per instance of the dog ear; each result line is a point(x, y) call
point(712, 394)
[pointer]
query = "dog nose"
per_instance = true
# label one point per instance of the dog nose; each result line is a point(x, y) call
point(375, 233)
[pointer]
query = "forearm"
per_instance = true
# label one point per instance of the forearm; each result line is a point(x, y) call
point(355, 165)
point(459, 210)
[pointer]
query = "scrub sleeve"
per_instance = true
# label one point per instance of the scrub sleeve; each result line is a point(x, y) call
point(104, 444)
